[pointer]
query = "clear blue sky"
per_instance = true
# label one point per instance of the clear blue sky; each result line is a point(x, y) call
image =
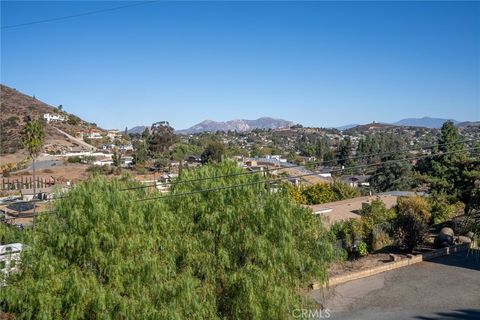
point(316, 63)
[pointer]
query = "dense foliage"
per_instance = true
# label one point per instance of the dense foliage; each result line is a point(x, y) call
point(229, 254)
point(411, 223)
point(322, 192)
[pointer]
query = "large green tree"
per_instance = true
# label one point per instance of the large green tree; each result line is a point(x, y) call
point(214, 152)
point(160, 137)
point(233, 253)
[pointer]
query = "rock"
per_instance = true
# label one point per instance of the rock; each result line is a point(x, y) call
point(443, 240)
point(470, 234)
point(463, 239)
point(447, 231)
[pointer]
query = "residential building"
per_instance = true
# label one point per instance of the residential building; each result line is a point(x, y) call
point(54, 117)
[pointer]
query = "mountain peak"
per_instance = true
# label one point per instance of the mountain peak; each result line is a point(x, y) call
point(240, 125)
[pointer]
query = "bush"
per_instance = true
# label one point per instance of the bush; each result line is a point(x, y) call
point(343, 191)
point(350, 234)
point(75, 159)
point(411, 223)
point(442, 210)
point(73, 120)
point(318, 193)
point(376, 217)
point(380, 238)
point(99, 170)
point(322, 193)
point(362, 249)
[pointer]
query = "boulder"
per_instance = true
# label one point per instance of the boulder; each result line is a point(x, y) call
point(463, 239)
point(470, 234)
point(447, 231)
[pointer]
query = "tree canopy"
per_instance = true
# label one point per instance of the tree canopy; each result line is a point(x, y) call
point(229, 254)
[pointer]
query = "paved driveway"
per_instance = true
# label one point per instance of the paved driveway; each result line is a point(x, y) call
point(444, 288)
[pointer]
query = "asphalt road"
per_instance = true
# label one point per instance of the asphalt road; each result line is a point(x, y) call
point(444, 288)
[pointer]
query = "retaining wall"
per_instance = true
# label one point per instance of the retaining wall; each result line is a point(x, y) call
point(412, 259)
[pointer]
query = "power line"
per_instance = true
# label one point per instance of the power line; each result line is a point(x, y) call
point(296, 166)
point(277, 179)
point(298, 176)
point(284, 178)
point(77, 15)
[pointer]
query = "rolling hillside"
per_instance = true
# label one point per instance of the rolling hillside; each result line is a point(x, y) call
point(16, 107)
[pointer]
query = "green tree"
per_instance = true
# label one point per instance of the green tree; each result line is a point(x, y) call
point(140, 151)
point(392, 176)
point(243, 236)
point(345, 152)
point(239, 253)
point(116, 158)
point(161, 137)
point(214, 152)
point(318, 193)
point(441, 171)
point(33, 139)
point(105, 256)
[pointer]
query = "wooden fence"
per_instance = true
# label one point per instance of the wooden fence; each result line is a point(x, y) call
point(25, 183)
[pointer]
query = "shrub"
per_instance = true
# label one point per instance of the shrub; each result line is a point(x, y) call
point(318, 193)
point(362, 249)
point(380, 238)
point(99, 170)
point(350, 234)
point(375, 216)
point(73, 120)
point(411, 223)
point(343, 191)
point(442, 210)
point(75, 159)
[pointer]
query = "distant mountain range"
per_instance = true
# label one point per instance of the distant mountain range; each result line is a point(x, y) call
point(239, 125)
point(242, 125)
point(426, 122)
point(137, 129)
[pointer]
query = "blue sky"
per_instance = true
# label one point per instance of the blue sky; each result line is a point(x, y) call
point(316, 63)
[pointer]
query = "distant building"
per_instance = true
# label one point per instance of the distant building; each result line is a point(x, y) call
point(193, 159)
point(356, 180)
point(126, 147)
point(126, 162)
point(113, 134)
point(54, 117)
point(90, 134)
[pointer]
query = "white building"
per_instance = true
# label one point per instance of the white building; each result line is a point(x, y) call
point(54, 117)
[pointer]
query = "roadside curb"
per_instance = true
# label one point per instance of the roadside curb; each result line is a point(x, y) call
point(392, 265)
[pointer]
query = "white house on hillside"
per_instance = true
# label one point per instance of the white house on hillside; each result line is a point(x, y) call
point(54, 117)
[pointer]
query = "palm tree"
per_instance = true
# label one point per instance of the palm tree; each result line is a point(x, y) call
point(33, 137)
